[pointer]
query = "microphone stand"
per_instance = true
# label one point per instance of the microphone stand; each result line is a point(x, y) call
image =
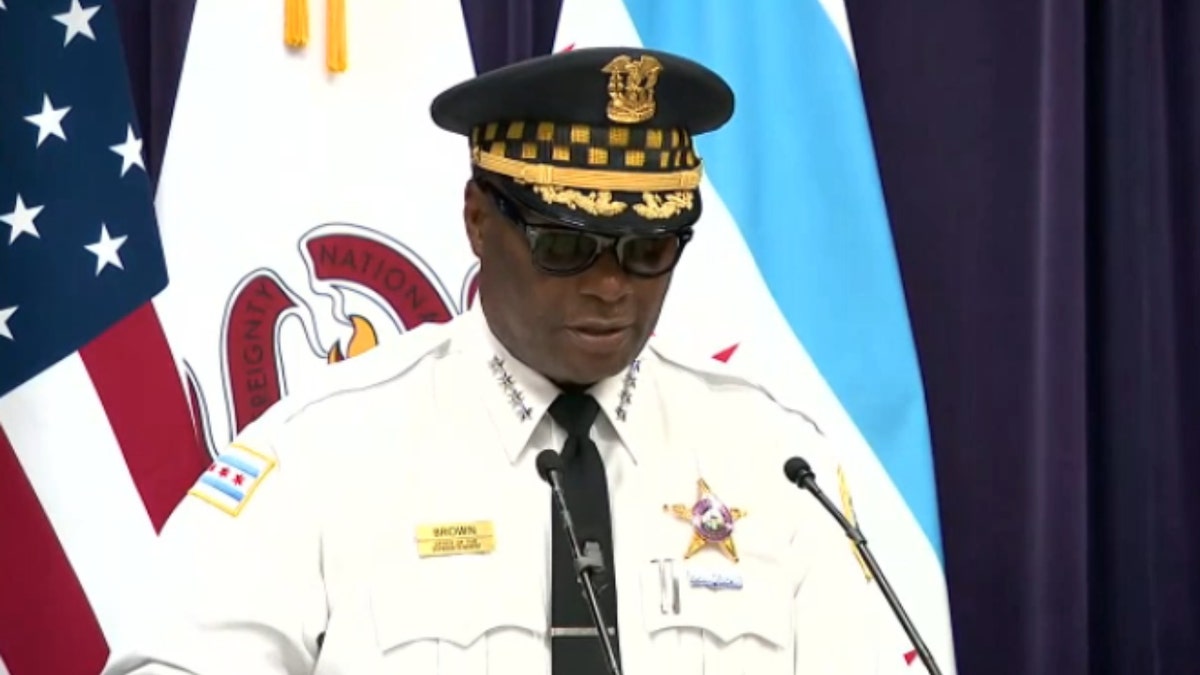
point(806, 481)
point(587, 562)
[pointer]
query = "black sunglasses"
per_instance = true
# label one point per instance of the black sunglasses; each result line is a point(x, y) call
point(562, 251)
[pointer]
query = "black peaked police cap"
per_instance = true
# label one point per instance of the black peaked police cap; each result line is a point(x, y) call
point(598, 139)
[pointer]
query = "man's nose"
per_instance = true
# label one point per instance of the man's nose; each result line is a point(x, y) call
point(606, 280)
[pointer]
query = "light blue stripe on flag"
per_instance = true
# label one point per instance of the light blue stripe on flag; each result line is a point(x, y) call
point(796, 168)
point(222, 487)
point(239, 464)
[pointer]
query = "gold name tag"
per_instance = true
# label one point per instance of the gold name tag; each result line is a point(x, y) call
point(455, 539)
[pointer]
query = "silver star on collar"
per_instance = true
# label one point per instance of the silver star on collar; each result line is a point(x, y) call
point(515, 398)
point(627, 389)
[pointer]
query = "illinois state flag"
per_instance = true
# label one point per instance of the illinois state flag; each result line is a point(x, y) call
point(793, 270)
point(307, 214)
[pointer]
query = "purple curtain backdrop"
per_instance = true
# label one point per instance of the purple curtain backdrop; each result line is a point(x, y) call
point(1039, 160)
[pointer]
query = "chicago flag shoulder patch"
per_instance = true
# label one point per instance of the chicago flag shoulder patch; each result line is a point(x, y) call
point(232, 479)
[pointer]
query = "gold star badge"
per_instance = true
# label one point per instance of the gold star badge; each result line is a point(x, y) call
point(712, 522)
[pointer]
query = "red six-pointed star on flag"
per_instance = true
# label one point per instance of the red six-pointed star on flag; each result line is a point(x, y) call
point(725, 354)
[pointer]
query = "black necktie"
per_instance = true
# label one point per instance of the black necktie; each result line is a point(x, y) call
point(575, 648)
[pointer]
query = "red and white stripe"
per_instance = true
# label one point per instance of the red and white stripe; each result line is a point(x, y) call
point(95, 453)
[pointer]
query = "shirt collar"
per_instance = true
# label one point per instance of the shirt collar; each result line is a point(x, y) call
point(516, 397)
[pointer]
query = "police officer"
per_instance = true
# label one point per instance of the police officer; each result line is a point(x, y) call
point(394, 520)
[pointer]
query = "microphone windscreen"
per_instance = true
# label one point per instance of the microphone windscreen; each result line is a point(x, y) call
point(547, 461)
point(796, 469)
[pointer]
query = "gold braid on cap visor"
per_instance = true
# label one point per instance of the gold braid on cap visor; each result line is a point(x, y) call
point(613, 159)
point(664, 195)
point(591, 179)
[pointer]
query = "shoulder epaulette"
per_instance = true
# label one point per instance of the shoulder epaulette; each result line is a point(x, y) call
point(722, 374)
point(380, 364)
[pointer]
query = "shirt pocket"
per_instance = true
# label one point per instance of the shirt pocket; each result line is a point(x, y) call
point(725, 631)
point(459, 615)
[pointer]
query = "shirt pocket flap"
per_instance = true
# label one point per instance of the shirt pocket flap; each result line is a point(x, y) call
point(709, 600)
point(456, 600)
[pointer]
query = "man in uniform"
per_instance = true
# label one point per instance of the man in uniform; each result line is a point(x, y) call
point(395, 521)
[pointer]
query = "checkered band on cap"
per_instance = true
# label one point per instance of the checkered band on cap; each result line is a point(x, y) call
point(581, 145)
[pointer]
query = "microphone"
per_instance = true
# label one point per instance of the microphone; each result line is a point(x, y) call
point(588, 561)
point(799, 472)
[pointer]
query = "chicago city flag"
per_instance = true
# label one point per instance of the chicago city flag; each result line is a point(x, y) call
point(793, 270)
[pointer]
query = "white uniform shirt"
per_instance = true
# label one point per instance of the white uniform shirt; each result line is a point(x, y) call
point(318, 537)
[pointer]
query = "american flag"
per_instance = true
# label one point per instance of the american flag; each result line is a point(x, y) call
point(97, 443)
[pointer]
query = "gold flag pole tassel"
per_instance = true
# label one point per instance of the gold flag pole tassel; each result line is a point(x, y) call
point(335, 36)
point(295, 23)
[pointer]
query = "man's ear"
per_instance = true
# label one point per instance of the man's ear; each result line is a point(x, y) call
point(474, 215)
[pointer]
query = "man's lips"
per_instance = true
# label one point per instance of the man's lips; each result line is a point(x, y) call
point(600, 336)
point(600, 327)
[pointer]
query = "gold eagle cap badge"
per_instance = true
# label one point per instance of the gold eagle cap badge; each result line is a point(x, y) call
point(631, 85)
